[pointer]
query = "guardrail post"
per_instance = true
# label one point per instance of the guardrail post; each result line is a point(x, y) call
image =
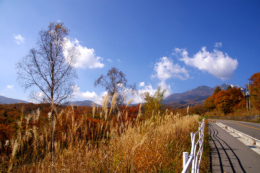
point(185, 158)
point(194, 158)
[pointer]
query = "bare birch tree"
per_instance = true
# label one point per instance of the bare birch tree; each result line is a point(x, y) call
point(115, 82)
point(47, 68)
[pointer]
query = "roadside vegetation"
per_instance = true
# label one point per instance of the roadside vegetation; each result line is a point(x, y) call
point(231, 104)
point(95, 139)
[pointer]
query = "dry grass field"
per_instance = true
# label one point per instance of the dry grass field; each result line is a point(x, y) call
point(112, 143)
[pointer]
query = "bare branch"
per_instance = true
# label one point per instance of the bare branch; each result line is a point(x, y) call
point(115, 82)
point(46, 66)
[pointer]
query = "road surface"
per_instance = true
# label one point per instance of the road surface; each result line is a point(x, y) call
point(229, 154)
point(251, 129)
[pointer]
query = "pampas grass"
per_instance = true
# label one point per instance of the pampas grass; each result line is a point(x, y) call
point(113, 102)
point(129, 102)
point(93, 109)
point(153, 144)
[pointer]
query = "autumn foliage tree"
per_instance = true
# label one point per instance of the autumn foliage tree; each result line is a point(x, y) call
point(224, 101)
point(255, 90)
point(236, 96)
point(209, 102)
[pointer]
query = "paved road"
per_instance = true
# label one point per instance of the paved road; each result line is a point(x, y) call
point(229, 154)
point(251, 129)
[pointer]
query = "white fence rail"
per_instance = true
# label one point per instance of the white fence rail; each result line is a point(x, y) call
point(195, 156)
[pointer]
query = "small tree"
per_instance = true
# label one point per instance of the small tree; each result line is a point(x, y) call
point(229, 87)
point(47, 68)
point(255, 90)
point(115, 82)
point(153, 102)
point(217, 89)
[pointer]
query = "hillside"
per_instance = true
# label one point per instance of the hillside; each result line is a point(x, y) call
point(6, 100)
point(81, 103)
point(192, 97)
point(199, 93)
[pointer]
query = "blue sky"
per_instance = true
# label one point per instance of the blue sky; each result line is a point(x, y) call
point(177, 44)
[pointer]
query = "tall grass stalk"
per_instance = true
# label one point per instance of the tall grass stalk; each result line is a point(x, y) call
point(85, 144)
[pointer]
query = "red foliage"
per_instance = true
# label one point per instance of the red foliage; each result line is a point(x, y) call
point(209, 103)
point(236, 96)
point(223, 102)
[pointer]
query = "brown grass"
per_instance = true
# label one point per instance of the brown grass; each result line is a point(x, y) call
point(153, 145)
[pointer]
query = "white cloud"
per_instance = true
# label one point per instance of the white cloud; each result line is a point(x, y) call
point(9, 86)
point(88, 95)
point(136, 98)
point(166, 87)
point(39, 95)
point(87, 58)
point(121, 85)
point(216, 63)
point(141, 84)
point(218, 44)
point(118, 60)
point(144, 88)
point(166, 69)
point(18, 39)
point(109, 60)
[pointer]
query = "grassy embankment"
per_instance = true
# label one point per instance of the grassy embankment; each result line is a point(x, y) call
point(240, 114)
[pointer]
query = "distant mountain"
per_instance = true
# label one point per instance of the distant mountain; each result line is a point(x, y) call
point(199, 93)
point(6, 100)
point(193, 97)
point(81, 103)
point(224, 86)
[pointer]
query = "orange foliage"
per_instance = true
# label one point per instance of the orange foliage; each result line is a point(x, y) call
point(236, 96)
point(209, 103)
point(226, 101)
point(255, 90)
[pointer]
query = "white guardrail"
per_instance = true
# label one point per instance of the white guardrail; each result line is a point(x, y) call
point(195, 156)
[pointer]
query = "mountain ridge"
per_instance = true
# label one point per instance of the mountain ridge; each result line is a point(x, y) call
point(6, 100)
point(81, 103)
point(195, 96)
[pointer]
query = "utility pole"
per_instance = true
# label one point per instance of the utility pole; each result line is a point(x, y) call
point(247, 95)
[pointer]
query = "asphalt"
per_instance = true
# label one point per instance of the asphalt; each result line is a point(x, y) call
point(251, 129)
point(229, 154)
